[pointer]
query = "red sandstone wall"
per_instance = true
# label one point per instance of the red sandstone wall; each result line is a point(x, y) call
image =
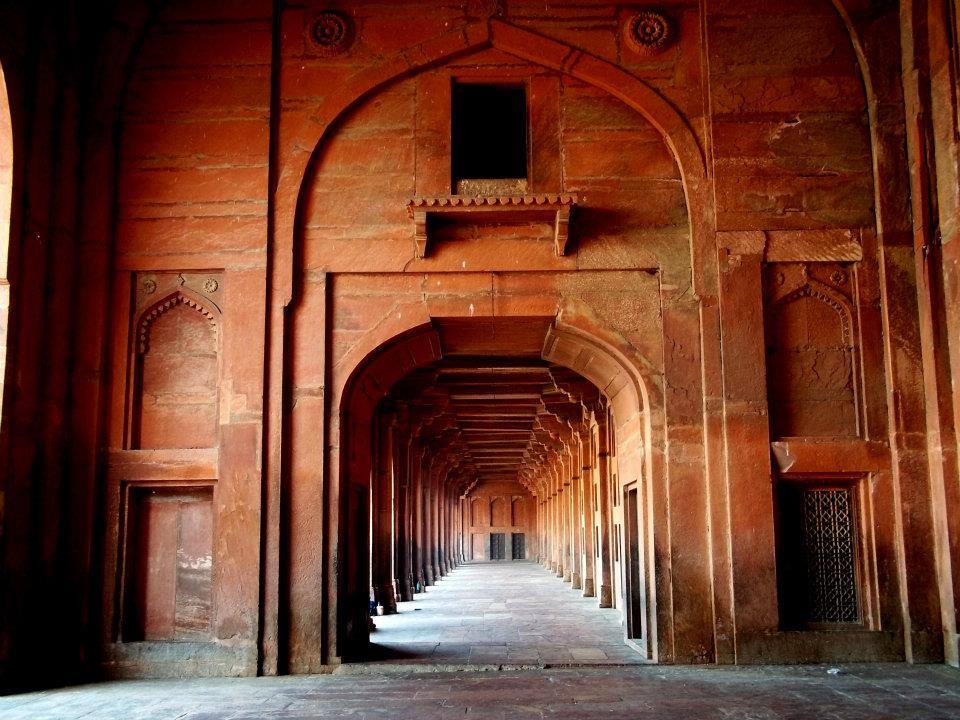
point(794, 137)
point(185, 413)
point(789, 123)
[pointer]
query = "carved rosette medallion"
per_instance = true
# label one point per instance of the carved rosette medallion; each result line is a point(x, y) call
point(648, 32)
point(330, 32)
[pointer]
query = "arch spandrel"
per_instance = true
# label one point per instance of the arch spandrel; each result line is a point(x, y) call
point(545, 52)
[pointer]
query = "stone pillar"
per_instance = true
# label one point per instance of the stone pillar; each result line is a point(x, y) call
point(382, 532)
point(419, 522)
point(435, 478)
point(454, 531)
point(427, 464)
point(587, 510)
point(576, 518)
point(442, 526)
point(565, 469)
point(454, 558)
point(543, 550)
point(464, 529)
point(556, 472)
point(551, 521)
point(749, 481)
point(606, 498)
point(554, 517)
point(403, 521)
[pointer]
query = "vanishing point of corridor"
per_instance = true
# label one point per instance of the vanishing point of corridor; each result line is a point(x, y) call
point(511, 613)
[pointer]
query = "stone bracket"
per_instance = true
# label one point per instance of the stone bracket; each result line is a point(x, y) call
point(428, 212)
point(802, 456)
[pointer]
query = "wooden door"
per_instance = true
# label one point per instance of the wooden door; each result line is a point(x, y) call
point(496, 546)
point(476, 548)
point(519, 546)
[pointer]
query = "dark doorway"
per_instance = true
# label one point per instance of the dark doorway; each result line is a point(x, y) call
point(519, 546)
point(497, 546)
point(634, 585)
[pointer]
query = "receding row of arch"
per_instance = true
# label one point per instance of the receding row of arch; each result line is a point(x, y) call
point(449, 432)
point(496, 512)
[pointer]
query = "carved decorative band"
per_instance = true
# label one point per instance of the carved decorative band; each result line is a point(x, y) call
point(151, 315)
point(467, 201)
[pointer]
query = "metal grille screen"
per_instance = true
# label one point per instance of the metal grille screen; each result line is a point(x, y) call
point(829, 549)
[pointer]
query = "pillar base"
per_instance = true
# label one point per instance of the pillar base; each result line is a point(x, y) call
point(387, 599)
point(575, 581)
point(606, 596)
point(406, 589)
point(588, 590)
point(567, 576)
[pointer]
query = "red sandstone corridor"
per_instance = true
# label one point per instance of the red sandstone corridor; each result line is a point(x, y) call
point(616, 345)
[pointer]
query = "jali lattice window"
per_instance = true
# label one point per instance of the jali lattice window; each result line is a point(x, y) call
point(818, 555)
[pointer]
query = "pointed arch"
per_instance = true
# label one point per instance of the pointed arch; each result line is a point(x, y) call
point(182, 296)
point(6, 212)
point(812, 362)
point(174, 386)
point(313, 132)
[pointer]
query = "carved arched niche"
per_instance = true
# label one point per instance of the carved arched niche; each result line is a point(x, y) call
point(174, 399)
point(519, 511)
point(811, 351)
point(500, 512)
point(479, 512)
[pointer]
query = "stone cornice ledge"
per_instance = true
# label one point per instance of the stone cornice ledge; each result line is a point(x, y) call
point(535, 207)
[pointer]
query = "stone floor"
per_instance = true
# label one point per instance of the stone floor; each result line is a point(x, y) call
point(501, 613)
point(860, 692)
point(494, 623)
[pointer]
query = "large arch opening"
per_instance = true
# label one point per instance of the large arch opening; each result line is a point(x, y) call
point(487, 440)
point(6, 207)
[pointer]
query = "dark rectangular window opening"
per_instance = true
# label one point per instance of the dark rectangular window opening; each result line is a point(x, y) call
point(817, 555)
point(489, 132)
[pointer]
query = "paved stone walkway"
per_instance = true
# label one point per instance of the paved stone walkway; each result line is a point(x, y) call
point(501, 613)
point(888, 692)
point(512, 614)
